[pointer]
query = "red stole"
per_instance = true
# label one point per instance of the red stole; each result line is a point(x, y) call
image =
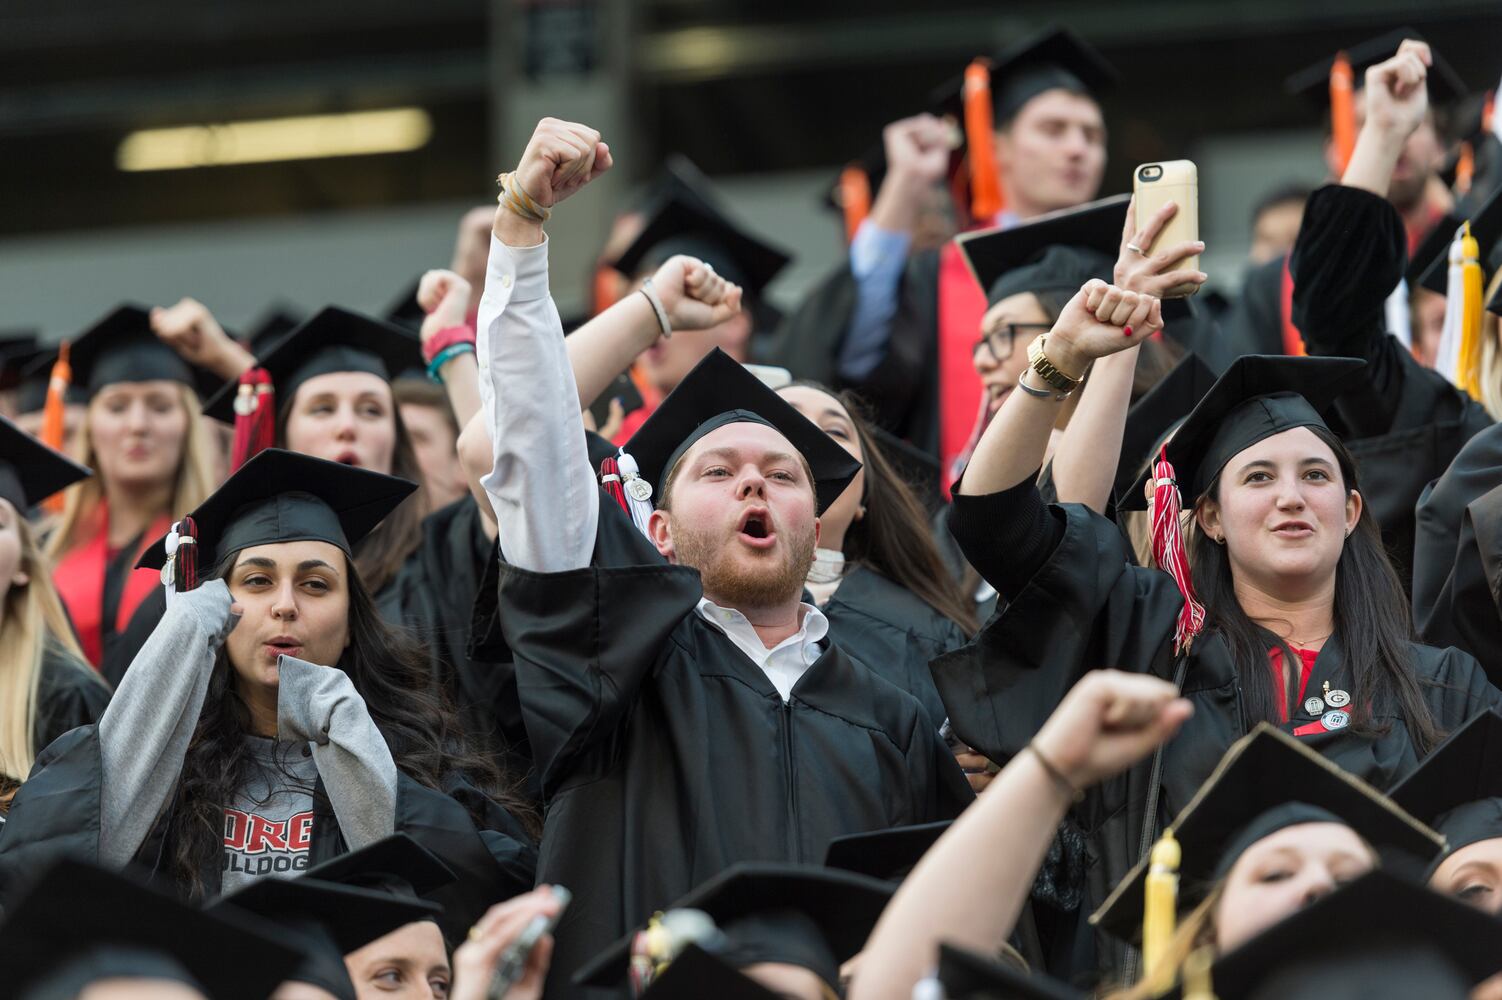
point(962, 305)
point(79, 578)
point(1306, 669)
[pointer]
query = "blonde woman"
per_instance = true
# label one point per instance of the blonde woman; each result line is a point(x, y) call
point(155, 460)
point(46, 688)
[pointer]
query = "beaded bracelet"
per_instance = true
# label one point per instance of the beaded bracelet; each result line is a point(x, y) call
point(446, 355)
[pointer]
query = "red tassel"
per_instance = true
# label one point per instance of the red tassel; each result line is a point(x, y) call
point(187, 555)
point(610, 479)
point(1168, 551)
point(255, 417)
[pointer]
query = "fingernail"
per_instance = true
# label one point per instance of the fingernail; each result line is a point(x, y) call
point(1127, 331)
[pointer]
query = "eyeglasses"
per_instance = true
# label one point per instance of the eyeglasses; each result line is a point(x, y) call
point(1002, 340)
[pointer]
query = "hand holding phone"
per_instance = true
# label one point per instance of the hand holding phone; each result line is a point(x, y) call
point(1154, 185)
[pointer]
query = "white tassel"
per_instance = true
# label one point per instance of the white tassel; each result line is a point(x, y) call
point(1447, 358)
point(169, 568)
point(638, 491)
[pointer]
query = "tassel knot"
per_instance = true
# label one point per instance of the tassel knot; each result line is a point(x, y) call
point(255, 417)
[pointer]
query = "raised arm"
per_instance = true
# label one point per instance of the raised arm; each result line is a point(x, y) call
point(1085, 459)
point(445, 297)
point(145, 731)
point(192, 331)
point(1099, 321)
point(540, 483)
point(970, 887)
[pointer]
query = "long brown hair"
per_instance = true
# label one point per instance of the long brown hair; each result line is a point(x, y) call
point(893, 538)
point(1371, 618)
point(381, 554)
point(391, 673)
point(34, 620)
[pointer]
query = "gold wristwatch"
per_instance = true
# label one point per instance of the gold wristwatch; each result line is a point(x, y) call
point(1048, 371)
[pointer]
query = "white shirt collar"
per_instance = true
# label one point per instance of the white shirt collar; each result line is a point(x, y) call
point(784, 663)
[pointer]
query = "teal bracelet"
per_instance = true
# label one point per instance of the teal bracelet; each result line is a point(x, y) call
point(446, 355)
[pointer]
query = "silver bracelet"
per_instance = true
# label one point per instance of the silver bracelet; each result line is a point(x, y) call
point(662, 314)
point(1038, 393)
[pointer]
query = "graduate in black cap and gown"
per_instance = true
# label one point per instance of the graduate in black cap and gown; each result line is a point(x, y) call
point(671, 735)
point(46, 687)
point(1284, 607)
point(1262, 320)
point(154, 459)
point(1402, 422)
point(900, 330)
point(227, 754)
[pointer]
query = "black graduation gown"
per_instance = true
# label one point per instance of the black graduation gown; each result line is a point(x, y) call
point(56, 813)
point(665, 755)
point(69, 694)
point(1403, 422)
point(1458, 554)
point(1253, 324)
point(893, 632)
point(1088, 607)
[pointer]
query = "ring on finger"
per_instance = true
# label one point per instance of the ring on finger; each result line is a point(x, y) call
point(1136, 249)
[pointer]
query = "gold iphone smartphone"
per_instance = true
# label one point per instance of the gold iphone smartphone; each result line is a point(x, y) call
point(1156, 184)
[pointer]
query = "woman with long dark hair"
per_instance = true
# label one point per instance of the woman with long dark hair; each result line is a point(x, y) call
point(1285, 609)
point(877, 573)
point(228, 754)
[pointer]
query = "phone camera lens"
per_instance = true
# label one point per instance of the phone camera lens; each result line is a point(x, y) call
point(1150, 173)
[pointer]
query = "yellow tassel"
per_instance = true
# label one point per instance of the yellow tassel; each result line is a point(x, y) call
point(1470, 328)
point(1160, 908)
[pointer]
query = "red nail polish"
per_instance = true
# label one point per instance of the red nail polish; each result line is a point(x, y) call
point(1127, 331)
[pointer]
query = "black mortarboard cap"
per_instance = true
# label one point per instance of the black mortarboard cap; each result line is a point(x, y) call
point(1258, 396)
point(1151, 417)
point(1457, 789)
point(1434, 247)
point(718, 392)
point(285, 496)
point(1486, 227)
point(1051, 59)
point(395, 864)
point(79, 924)
point(966, 975)
point(800, 915)
point(1380, 937)
point(270, 327)
point(885, 854)
point(1059, 251)
point(329, 919)
point(334, 340)
point(684, 218)
point(121, 347)
point(696, 974)
point(1266, 781)
point(1312, 83)
point(30, 471)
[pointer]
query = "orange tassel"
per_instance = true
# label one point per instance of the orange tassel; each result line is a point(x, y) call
point(1488, 109)
point(54, 418)
point(1465, 169)
point(255, 417)
point(1342, 111)
point(986, 200)
point(855, 198)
